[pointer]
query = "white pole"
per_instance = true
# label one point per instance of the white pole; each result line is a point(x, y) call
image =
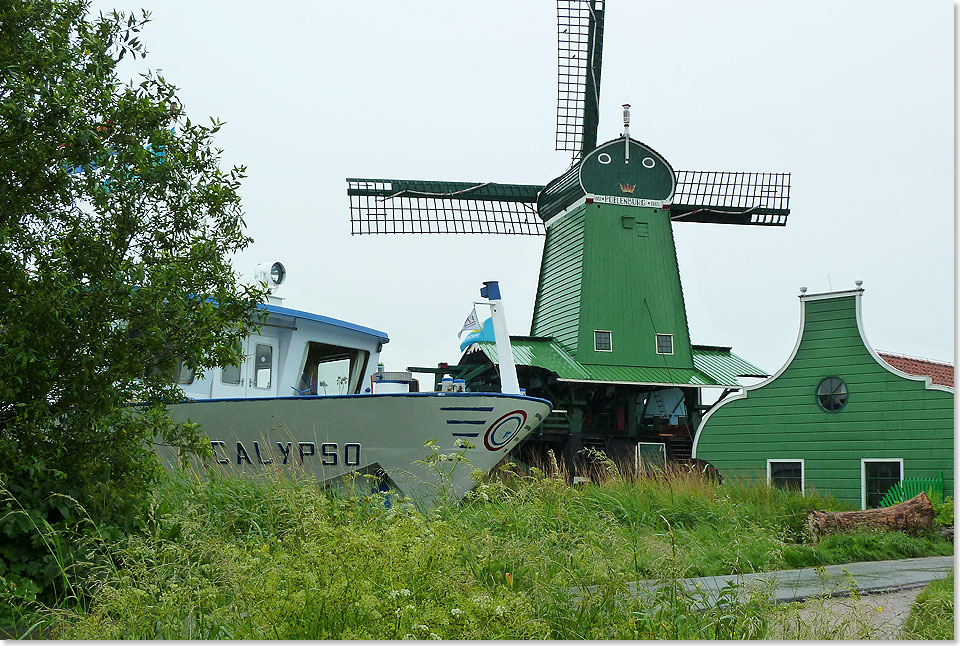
point(626, 132)
point(509, 384)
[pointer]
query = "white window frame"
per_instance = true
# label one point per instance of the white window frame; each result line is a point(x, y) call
point(663, 450)
point(656, 343)
point(595, 348)
point(863, 476)
point(803, 472)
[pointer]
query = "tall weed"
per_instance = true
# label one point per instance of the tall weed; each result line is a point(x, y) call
point(525, 555)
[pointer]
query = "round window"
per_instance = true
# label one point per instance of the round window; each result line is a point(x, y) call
point(832, 394)
point(604, 158)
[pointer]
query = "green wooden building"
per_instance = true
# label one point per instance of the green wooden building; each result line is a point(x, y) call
point(836, 418)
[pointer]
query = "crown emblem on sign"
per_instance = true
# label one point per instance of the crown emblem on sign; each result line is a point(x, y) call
point(627, 188)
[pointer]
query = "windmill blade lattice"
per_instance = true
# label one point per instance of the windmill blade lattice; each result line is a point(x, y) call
point(391, 206)
point(579, 57)
point(732, 198)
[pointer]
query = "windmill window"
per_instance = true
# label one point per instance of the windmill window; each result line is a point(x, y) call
point(604, 158)
point(603, 341)
point(648, 162)
point(664, 344)
point(832, 394)
point(785, 474)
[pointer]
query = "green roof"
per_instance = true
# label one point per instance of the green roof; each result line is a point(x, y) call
point(714, 366)
point(723, 365)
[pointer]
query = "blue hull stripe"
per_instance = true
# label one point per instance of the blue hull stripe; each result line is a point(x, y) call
point(482, 409)
point(466, 421)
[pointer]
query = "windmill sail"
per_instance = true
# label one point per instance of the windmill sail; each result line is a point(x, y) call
point(732, 198)
point(579, 55)
point(413, 206)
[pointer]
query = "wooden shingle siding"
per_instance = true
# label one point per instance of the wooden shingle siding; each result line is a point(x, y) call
point(631, 286)
point(886, 415)
point(557, 309)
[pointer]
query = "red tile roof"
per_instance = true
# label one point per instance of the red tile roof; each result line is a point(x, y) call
point(941, 373)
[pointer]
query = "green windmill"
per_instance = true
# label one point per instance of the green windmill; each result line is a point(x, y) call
point(609, 342)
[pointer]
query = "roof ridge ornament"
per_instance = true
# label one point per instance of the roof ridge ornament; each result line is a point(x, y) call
point(626, 133)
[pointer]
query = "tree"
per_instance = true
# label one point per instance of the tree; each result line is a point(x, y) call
point(116, 227)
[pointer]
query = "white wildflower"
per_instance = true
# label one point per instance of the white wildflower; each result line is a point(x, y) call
point(456, 612)
point(499, 611)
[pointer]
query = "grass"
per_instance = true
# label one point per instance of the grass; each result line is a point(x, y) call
point(524, 556)
point(932, 614)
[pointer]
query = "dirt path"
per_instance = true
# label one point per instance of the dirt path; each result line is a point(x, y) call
point(872, 616)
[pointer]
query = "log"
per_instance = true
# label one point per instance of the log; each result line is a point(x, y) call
point(911, 516)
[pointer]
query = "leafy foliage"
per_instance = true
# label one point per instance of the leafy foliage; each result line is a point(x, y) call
point(115, 230)
point(943, 508)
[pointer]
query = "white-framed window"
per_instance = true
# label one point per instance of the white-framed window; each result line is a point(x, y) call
point(263, 366)
point(651, 454)
point(664, 344)
point(876, 476)
point(230, 375)
point(786, 473)
point(183, 373)
point(603, 340)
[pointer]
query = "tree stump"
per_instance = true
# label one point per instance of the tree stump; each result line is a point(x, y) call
point(910, 516)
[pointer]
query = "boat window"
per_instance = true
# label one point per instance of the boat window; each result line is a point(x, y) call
point(184, 374)
point(230, 375)
point(264, 365)
point(331, 370)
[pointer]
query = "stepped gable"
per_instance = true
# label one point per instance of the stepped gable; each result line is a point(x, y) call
point(941, 373)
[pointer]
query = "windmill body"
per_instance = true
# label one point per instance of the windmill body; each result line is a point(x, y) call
point(609, 261)
point(609, 343)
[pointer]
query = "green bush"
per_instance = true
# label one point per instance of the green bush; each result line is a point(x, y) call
point(943, 508)
point(115, 238)
point(932, 614)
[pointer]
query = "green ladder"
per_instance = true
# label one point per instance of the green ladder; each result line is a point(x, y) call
point(906, 489)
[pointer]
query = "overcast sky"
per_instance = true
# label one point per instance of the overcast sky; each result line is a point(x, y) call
point(854, 98)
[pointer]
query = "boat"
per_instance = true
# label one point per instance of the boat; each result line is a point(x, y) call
point(312, 396)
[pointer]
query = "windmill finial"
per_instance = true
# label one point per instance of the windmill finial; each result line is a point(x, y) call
point(626, 132)
point(803, 290)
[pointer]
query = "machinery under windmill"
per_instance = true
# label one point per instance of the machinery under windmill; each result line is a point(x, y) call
point(609, 343)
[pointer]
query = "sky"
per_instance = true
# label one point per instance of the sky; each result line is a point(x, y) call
point(854, 98)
